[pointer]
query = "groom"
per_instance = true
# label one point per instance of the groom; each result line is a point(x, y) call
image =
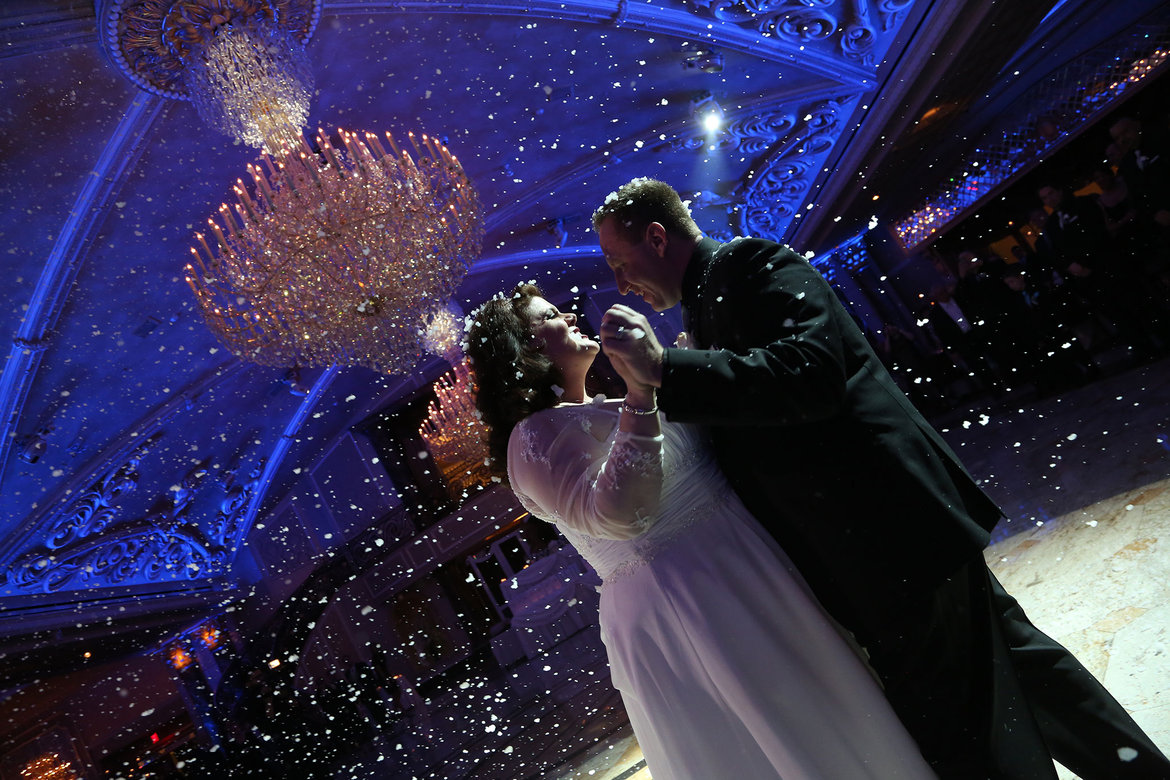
point(867, 499)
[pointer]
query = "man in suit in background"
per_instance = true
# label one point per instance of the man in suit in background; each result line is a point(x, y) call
point(870, 503)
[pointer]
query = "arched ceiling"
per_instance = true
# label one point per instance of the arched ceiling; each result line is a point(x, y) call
point(153, 435)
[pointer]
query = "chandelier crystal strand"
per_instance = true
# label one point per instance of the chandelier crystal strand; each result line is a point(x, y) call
point(252, 82)
point(338, 255)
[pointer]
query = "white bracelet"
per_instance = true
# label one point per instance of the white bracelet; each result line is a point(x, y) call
point(639, 412)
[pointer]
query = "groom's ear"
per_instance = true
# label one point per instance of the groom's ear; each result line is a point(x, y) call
point(656, 237)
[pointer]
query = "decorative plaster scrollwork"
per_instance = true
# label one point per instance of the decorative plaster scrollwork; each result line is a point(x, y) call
point(752, 135)
point(858, 37)
point(148, 552)
point(237, 496)
point(857, 41)
point(802, 24)
point(86, 545)
point(96, 508)
point(805, 21)
point(757, 134)
point(890, 9)
point(772, 197)
point(790, 151)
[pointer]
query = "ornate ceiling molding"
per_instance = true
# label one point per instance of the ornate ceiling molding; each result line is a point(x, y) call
point(87, 546)
point(677, 20)
point(790, 144)
point(678, 134)
point(236, 519)
point(778, 30)
point(96, 507)
point(853, 26)
point(89, 211)
point(146, 552)
point(774, 194)
point(52, 522)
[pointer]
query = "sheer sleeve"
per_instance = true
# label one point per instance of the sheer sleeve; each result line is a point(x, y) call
point(563, 469)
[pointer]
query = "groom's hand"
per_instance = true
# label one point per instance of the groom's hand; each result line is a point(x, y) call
point(630, 343)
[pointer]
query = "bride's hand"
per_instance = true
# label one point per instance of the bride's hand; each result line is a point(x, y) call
point(632, 347)
point(632, 384)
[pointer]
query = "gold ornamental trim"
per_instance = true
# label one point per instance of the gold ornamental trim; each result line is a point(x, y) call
point(151, 41)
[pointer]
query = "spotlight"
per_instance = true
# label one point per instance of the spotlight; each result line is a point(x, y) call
point(707, 112)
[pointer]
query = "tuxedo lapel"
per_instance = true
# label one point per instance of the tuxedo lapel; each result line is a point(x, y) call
point(698, 317)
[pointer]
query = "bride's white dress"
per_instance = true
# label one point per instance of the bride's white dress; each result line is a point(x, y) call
point(727, 666)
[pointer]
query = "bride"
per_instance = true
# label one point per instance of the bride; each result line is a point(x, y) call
point(726, 664)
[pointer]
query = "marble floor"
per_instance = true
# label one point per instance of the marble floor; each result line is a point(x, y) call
point(1098, 581)
point(1085, 478)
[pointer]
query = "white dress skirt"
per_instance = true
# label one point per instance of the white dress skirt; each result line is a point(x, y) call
point(727, 665)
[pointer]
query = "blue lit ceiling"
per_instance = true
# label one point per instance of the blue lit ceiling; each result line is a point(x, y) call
point(136, 450)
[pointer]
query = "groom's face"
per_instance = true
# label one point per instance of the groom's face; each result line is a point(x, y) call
point(640, 266)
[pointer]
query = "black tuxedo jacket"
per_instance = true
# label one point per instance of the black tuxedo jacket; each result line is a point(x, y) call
point(821, 445)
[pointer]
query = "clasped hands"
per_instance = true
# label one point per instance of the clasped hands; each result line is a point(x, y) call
point(631, 346)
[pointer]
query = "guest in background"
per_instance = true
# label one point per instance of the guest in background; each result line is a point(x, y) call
point(1047, 352)
point(963, 338)
point(1145, 167)
point(1091, 264)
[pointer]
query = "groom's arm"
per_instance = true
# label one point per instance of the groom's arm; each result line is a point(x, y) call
point(785, 359)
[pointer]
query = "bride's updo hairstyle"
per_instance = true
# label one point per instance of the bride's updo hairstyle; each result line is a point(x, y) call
point(513, 378)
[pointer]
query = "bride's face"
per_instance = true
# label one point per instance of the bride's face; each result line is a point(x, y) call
point(564, 343)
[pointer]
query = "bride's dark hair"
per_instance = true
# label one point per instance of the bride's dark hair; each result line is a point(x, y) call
point(513, 378)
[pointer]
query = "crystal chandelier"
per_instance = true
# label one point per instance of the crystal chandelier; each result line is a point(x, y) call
point(444, 333)
point(338, 255)
point(242, 63)
point(454, 433)
point(252, 83)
